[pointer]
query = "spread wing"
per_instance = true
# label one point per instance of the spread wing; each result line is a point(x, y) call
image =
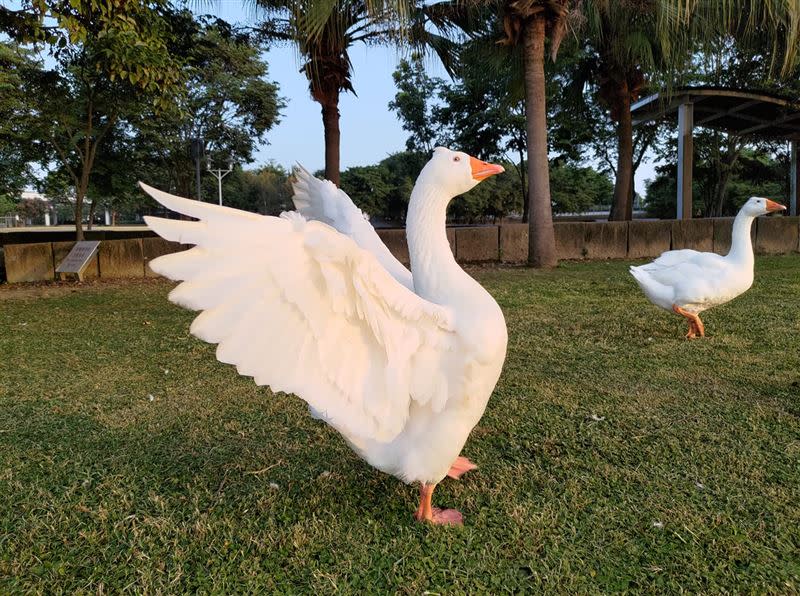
point(301, 308)
point(320, 200)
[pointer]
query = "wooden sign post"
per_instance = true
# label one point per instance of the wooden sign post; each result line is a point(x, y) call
point(78, 258)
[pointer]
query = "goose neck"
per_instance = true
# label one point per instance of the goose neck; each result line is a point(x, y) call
point(432, 261)
point(741, 242)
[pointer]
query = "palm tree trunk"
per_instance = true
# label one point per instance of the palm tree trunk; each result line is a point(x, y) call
point(541, 236)
point(523, 189)
point(621, 209)
point(330, 122)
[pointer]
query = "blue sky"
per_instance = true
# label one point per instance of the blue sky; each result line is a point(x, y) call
point(369, 130)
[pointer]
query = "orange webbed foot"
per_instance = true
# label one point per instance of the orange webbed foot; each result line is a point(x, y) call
point(446, 517)
point(438, 517)
point(461, 466)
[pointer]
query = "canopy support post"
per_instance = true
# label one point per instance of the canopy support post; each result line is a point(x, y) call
point(685, 159)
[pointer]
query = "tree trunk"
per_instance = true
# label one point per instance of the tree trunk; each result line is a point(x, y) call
point(92, 207)
point(80, 194)
point(631, 193)
point(541, 236)
point(78, 214)
point(726, 167)
point(330, 122)
point(523, 190)
point(622, 208)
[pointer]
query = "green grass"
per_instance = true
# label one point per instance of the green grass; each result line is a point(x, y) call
point(614, 454)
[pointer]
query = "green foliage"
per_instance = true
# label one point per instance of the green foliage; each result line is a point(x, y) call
point(128, 38)
point(370, 187)
point(265, 190)
point(108, 60)
point(383, 190)
point(31, 208)
point(755, 173)
point(759, 174)
point(18, 146)
point(229, 103)
point(412, 102)
point(7, 206)
point(574, 189)
point(492, 199)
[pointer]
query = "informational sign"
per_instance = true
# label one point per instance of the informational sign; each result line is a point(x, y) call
point(78, 257)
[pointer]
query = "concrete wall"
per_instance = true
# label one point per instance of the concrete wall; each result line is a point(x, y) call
point(507, 243)
point(41, 235)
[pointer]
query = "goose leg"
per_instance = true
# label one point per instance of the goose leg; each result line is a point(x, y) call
point(434, 515)
point(696, 326)
point(699, 327)
point(461, 466)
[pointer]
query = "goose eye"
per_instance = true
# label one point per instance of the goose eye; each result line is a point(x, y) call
point(456, 158)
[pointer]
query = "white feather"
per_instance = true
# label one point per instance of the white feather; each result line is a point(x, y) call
point(320, 200)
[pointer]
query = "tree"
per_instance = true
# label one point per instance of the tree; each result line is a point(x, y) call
point(17, 147)
point(107, 59)
point(7, 206)
point(265, 190)
point(413, 104)
point(726, 63)
point(756, 172)
point(528, 24)
point(481, 112)
point(229, 103)
point(30, 209)
point(75, 108)
point(577, 189)
point(383, 190)
point(325, 31)
point(639, 40)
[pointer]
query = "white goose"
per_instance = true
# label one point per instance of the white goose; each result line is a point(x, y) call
point(403, 375)
point(689, 282)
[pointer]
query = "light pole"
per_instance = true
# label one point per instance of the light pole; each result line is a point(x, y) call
point(219, 174)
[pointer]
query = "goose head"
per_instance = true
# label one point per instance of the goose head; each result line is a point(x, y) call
point(456, 172)
point(756, 206)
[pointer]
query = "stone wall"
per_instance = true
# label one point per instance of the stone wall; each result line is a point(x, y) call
point(507, 243)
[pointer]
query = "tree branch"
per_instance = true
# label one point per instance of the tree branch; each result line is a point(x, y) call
point(63, 155)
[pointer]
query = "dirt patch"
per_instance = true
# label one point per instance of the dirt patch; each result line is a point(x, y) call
point(47, 289)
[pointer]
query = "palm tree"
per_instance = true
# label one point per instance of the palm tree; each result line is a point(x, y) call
point(623, 46)
point(528, 23)
point(324, 32)
point(632, 37)
point(634, 40)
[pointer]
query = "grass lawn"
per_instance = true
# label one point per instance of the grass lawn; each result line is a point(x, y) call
point(614, 454)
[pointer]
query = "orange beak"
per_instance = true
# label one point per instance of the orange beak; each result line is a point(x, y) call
point(772, 206)
point(482, 170)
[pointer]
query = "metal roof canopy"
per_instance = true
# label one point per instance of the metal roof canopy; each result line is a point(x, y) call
point(745, 113)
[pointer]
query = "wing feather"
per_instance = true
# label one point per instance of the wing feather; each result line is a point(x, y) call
point(321, 200)
point(300, 307)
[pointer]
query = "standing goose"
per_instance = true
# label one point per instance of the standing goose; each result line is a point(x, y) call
point(403, 375)
point(688, 282)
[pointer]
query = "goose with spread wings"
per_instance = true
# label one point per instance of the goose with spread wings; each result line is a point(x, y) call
point(401, 364)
